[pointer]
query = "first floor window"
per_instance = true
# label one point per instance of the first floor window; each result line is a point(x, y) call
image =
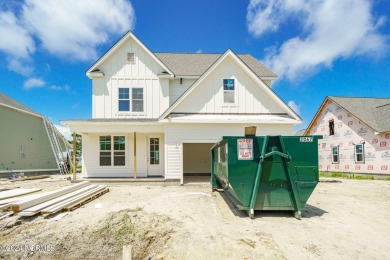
point(335, 154)
point(359, 153)
point(105, 150)
point(130, 99)
point(119, 150)
point(228, 90)
point(112, 150)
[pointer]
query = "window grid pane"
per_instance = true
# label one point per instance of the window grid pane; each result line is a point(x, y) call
point(154, 151)
point(124, 99)
point(137, 99)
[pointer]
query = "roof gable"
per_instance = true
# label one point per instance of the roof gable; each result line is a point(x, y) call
point(11, 103)
point(249, 72)
point(117, 45)
point(375, 112)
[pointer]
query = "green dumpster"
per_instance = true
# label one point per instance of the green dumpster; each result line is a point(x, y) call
point(266, 172)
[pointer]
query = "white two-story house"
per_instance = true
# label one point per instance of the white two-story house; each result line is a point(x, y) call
point(158, 114)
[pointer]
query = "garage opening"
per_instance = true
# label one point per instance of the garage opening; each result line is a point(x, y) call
point(196, 160)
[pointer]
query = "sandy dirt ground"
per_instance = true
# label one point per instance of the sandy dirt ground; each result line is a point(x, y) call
point(347, 220)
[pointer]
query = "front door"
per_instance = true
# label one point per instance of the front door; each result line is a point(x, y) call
point(155, 155)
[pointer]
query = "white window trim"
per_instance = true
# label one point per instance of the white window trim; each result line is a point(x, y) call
point(112, 151)
point(235, 103)
point(129, 113)
point(338, 155)
point(364, 158)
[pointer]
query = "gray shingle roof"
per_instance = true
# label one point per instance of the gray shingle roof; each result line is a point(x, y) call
point(195, 64)
point(375, 112)
point(6, 100)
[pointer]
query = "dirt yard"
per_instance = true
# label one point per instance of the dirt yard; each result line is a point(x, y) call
point(342, 220)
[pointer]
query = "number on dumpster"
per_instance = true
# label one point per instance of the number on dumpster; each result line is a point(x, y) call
point(245, 149)
point(306, 139)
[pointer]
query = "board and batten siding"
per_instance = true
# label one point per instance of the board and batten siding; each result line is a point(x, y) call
point(91, 153)
point(176, 89)
point(119, 73)
point(249, 96)
point(177, 134)
point(24, 144)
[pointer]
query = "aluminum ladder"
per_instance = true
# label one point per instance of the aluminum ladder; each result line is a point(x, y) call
point(58, 152)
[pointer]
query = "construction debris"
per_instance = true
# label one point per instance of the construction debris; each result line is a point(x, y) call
point(67, 198)
point(30, 178)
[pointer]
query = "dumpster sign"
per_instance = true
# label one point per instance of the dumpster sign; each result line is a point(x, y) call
point(245, 149)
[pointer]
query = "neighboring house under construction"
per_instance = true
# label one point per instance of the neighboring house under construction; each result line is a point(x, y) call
point(29, 142)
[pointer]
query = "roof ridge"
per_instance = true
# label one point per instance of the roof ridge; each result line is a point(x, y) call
point(204, 53)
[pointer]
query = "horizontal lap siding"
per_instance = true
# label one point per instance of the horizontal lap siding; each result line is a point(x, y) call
point(91, 153)
point(176, 89)
point(21, 129)
point(177, 134)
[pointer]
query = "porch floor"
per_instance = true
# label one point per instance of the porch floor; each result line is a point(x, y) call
point(155, 181)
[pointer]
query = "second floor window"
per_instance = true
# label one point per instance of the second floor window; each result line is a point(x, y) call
point(228, 91)
point(331, 127)
point(131, 100)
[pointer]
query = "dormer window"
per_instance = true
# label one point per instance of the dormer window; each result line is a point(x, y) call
point(130, 58)
point(228, 90)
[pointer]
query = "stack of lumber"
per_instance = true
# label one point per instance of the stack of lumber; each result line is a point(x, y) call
point(7, 197)
point(67, 198)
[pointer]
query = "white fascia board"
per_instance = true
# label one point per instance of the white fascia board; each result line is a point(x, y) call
point(21, 110)
point(187, 76)
point(85, 127)
point(118, 44)
point(95, 74)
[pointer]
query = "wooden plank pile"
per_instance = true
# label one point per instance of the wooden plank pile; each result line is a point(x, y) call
point(67, 198)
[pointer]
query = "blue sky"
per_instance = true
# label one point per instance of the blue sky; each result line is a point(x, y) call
point(318, 47)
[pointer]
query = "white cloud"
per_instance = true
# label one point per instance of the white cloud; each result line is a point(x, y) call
point(71, 29)
point(199, 51)
point(14, 39)
point(20, 66)
point(65, 131)
point(329, 30)
point(33, 83)
point(74, 28)
point(294, 106)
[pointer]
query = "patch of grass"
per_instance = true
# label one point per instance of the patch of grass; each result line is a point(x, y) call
point(139, 208)
point(351, 176)
point(337, 175)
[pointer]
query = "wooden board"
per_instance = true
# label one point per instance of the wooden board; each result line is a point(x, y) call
point(75, 200)
point(17, 207)
point(30, 178)
point(16, 192)
point(36, 209)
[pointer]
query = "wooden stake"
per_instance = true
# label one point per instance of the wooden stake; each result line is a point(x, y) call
point(135, 155)
point(74, 156)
